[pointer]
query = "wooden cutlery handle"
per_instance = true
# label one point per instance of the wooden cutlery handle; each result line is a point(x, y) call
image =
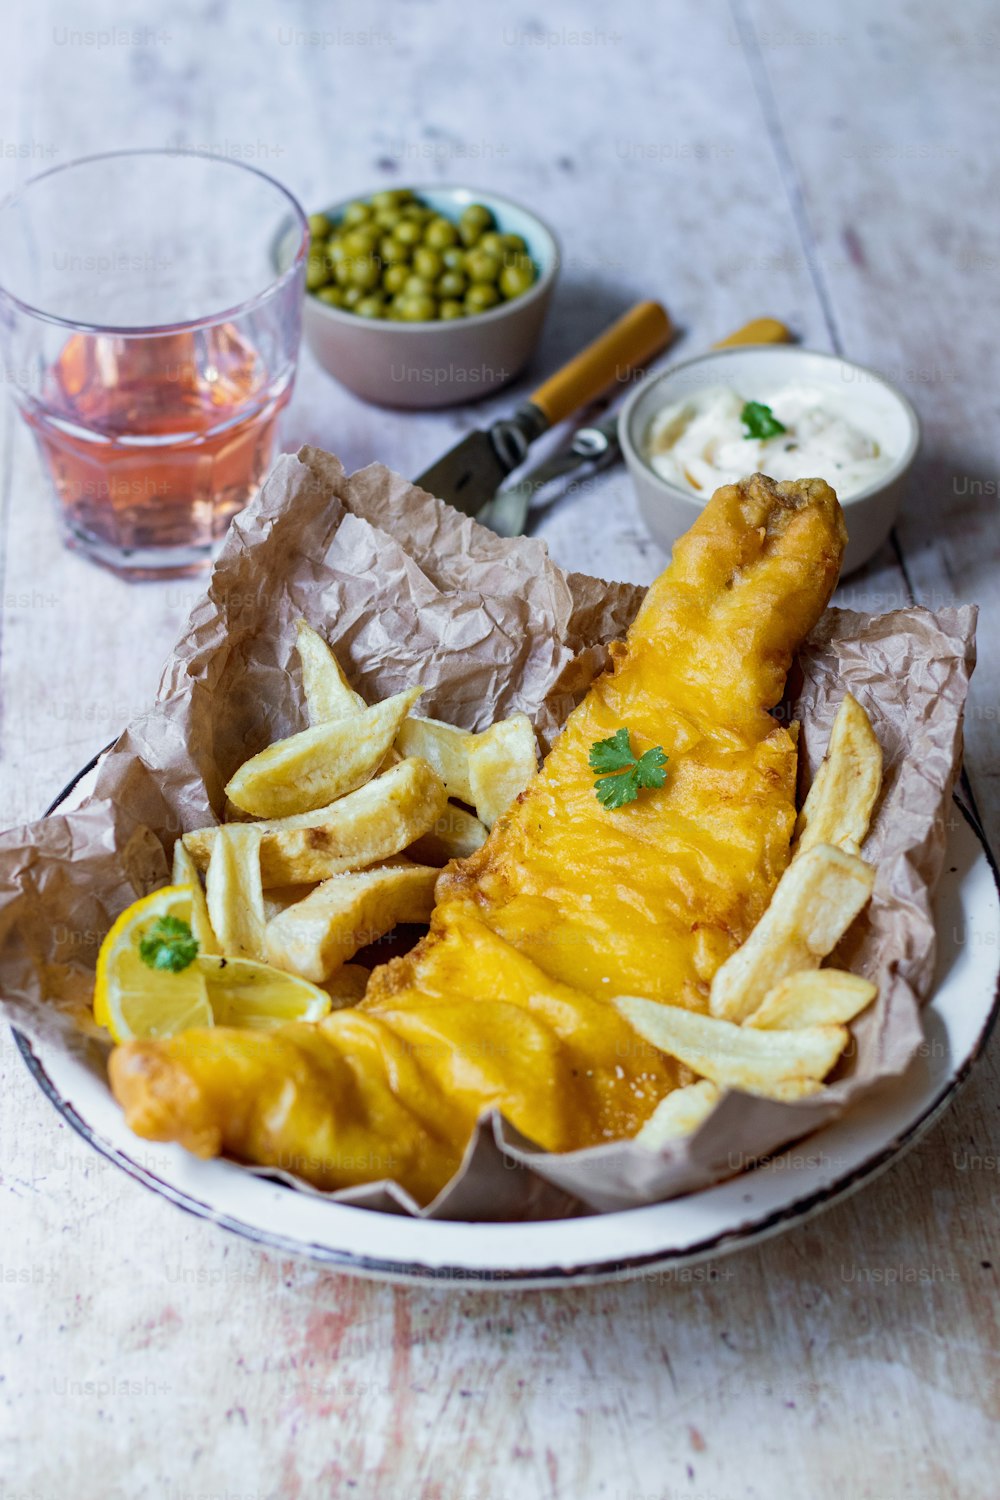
point(760, 331)
point(642, 332)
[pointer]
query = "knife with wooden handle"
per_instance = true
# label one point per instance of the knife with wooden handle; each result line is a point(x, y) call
point(472, 472)
point(595, 446)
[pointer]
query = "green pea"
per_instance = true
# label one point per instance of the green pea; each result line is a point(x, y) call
point(418, 213)
point(365, 272)
point(342, 272)
point(451, 285)
point(370, 307)
point(319, 226)
point(352, 296)
point(357, 212)
point(473, 223)
point(481, 266)
point(387, 218)
point(331, 295)
point(394, 277)
point(514, 243)
point(391, 198)
point(393, 252)
point(408, 233)
point(506, 247)
point(427, 262)
point(417, 309)
point(440, 233)
point(449, 309)
point(477, 216)
point(418, 286)
point(334, 249)
point(454, 258)
point(317, 272)
point(361, 241)
point(481, 296)
point(515, 279)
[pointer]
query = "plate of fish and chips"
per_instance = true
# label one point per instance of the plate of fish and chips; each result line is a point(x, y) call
point(667, 996)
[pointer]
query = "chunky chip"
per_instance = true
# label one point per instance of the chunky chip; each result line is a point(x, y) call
point(758, 1062)
point(279, 898)
point(814, 903)
point(679, 1114)
point(455, 835)
point(442, 746)
point(377, 821)
point(502, 760)
point(328, 694)
point(310, 769)
point(813, 997)
point(234, 894)
point(845, 789)
point(346, 913)
point(185, 872)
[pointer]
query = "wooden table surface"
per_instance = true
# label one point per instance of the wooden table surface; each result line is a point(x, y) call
point(833, 165)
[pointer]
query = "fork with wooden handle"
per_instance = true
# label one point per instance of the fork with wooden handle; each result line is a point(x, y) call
point(594, 447)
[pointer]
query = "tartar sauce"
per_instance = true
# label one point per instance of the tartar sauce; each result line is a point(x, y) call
point(701, 442)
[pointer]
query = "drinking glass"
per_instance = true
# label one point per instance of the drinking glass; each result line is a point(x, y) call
point(150, 306)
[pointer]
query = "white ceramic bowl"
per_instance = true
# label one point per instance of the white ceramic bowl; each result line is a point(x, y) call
point(669, 509)
point(442, 363)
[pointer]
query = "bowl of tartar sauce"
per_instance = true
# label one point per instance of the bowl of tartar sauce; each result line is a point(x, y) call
point(774, 409)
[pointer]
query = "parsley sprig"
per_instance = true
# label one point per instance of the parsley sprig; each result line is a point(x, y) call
point(169, 944)
point(620, 774)
point(760, 421)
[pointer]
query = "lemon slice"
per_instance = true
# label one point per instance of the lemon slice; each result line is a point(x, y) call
point(133, 1000)
point(248, 994)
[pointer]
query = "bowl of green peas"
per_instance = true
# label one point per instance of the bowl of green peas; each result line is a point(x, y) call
point(424, 297)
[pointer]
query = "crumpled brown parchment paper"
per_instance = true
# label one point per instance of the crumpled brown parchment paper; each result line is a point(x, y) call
point(407, 591)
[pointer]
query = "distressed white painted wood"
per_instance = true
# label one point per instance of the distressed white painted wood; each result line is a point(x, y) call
point(833, 166)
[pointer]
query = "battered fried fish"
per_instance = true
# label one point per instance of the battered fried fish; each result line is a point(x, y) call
point(505, 1003)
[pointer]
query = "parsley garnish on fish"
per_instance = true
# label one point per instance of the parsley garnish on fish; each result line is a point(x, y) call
point(760, 421)
point(620, 774)
point(169, 944)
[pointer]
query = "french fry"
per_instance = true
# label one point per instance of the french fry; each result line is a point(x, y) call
point(679, 1114)
point(486, 771)
point(375, 822)
point(328, 693)
point(813, 997)
point(347, 986)
point(736, 1056)
point(311, 769)
point(795, 1088)
point(814, 903)
point(185, 872)
point(502, 760)
point(234, 894)
point(346, 913)
point(442, 746)
point(279, 898)
point(455, 835)
point(845, 789)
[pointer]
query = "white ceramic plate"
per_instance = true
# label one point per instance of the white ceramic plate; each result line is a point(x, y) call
point(791, 1186)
